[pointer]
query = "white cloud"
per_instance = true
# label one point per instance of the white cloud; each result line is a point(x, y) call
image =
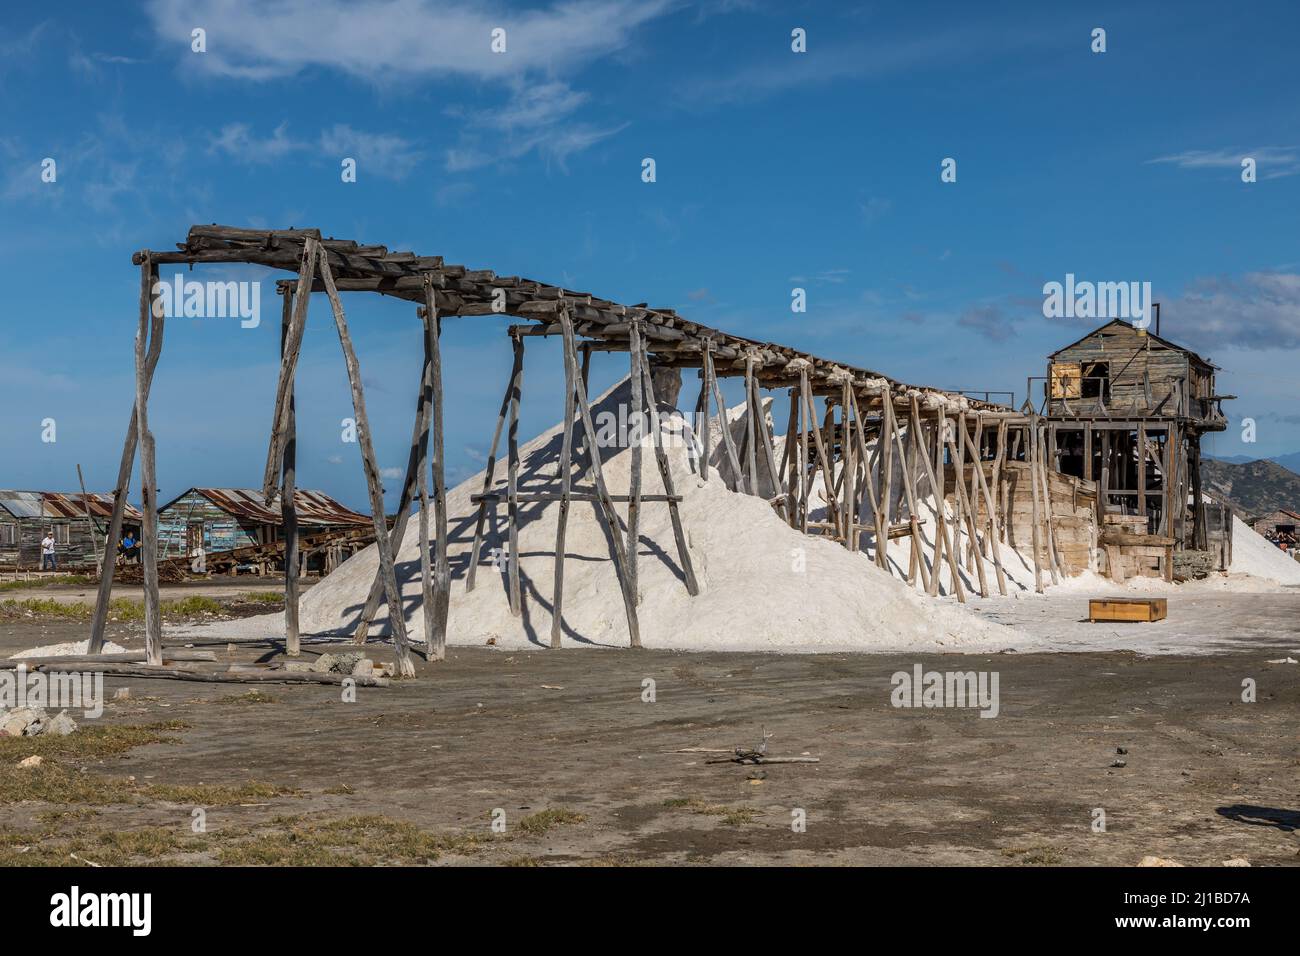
point(239, 142)
point(1273, 162)
point(388, 39)
point(1259, 310)
point(383, 41)
point(383, 154)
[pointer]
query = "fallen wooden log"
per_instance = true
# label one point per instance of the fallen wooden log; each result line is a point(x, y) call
point(760, 759)
point(126, 657)
point(171, 672)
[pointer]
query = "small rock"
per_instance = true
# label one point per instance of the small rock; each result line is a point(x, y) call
point(60, 725)
point(1120, 763)
point(33, 761)
point(337, 663)
point(364, 668)
point(23, 721)
point(300, 666)
point(1157, 861)
point(122, 693)
point(1237, 861)
point(1122, 751)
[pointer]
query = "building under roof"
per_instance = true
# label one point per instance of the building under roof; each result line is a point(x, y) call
point(26, 517)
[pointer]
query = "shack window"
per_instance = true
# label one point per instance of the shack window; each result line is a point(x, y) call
point(1096, 380)
point(1065, 380)
point(8, 535)
point(62, 533)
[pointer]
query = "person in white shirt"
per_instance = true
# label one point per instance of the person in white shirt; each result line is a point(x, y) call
point(47, 552)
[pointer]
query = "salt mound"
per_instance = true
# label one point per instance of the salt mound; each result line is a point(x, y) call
point(763, 585)
point(1254, 554)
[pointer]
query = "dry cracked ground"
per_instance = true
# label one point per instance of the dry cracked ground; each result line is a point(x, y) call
point(564, 749)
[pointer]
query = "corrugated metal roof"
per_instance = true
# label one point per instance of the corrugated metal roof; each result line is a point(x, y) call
point(57, 504)
point(314, 507)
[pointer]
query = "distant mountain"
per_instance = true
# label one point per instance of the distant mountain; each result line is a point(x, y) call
point(1254, 488)
point(1291, 460)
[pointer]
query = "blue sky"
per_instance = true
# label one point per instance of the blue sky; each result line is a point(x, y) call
point(774, 170)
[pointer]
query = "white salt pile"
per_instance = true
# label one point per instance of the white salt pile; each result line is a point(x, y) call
point(1255, 555)
point(763, 585)
point(67, 649)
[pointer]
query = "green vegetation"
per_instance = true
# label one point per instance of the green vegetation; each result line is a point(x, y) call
point(262, 597)
point(731, 816)
point(119, 609)
point(252, 697)
point(546, 820)
point(350, 841)
point(53, 581)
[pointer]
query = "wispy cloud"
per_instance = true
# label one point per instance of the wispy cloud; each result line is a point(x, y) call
point(1258, 310)
point(383, 41)
point(1273, 162)
point(382, 154)
point(378, 40)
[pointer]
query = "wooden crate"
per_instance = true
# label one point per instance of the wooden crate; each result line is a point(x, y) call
point(1128, 609)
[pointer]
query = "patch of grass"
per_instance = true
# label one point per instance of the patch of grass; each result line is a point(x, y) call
point(523, 861)
point(91, 741)
point(731, 816)
point(1040, 855)
point(262, 597)
point(104, 847)
point(119, 609)
point(341, 789)
point(57, 784)
point(252, 697)
point(73, 579)
point(536, 824)
point(350, 841)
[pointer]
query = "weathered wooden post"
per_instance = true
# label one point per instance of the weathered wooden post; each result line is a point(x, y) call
point(288, 509)
point(148, 339)
point(441, 569)
point(393, 593)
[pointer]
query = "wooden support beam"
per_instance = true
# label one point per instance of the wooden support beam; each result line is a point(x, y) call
point(605, 507)
point(107, 565)
point(148, 342)
point(848, 464)
point(733, 459)
point(702, 410)
point(566, 477)
point(666, 477)
point(965, 512)
point(766, 439)
point(916, 559)
point(289, 365)
point(751, 429)
point(991, 536)
point(513, 385)
point(636, 420)
point(436, 642)
point(410, 487)
point(397, 620)
point(512, 485)
point(288, 507)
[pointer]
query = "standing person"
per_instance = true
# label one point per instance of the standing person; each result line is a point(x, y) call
point(47, 551)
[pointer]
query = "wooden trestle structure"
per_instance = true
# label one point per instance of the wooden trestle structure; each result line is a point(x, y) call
point(873, 430)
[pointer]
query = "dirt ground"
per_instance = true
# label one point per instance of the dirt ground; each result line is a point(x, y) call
point(565, 750)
